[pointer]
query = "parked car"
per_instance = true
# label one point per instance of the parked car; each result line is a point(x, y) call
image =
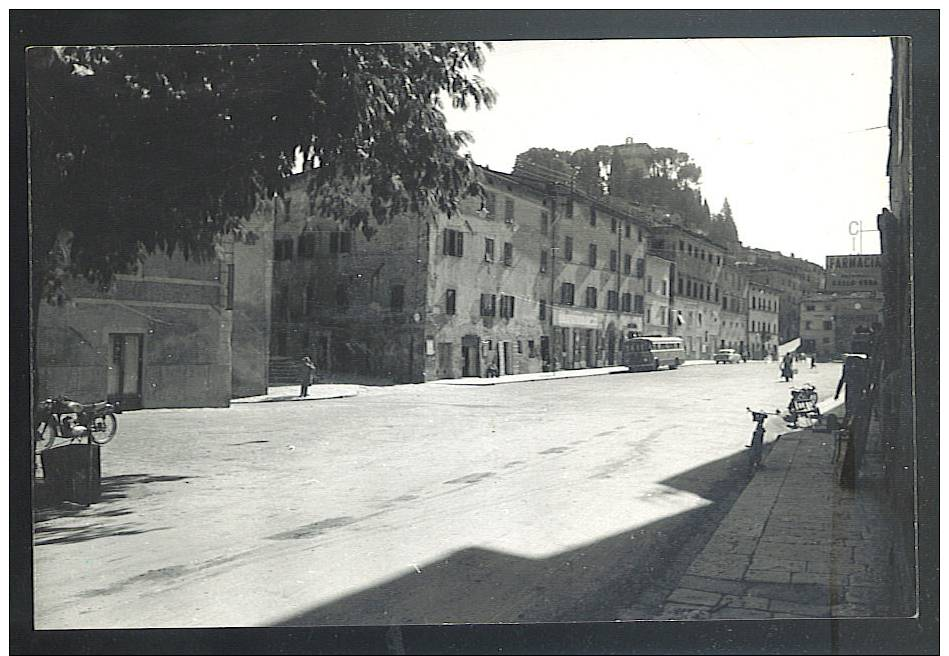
point(727, 356)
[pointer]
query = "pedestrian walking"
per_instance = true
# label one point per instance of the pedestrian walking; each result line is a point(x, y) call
point(813, 360)
point(787, 367)
point(307, 374)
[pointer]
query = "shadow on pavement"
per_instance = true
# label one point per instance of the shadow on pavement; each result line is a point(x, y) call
point(631, 571)
point(112, 489)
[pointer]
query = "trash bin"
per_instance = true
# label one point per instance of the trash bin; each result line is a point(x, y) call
point(72, 473)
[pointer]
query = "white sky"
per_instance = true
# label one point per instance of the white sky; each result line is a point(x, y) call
point(792, 131)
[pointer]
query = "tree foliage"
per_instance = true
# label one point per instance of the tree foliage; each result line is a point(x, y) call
point(664, 177)
point(142, 149)
point(723, 229)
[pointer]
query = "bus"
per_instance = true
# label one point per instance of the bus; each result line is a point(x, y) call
point(651, 352)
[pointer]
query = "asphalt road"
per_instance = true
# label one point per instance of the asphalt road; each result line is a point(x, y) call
point(575, 499)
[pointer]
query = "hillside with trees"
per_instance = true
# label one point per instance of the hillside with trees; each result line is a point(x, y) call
point(661, 177)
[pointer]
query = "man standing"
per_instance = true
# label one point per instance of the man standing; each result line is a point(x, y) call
point(307, 372)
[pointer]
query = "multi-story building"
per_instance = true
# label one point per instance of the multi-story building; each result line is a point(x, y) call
point(763, 311)
point(598, 263)
point(658, 282)
point(817, 326)
point(830, 320)
point(734, 314)
point(158, 338)
point(696, 294)
point(791, 276)
point(534, 277)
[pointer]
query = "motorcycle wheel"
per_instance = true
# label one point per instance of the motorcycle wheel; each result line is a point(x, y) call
point(107, 426)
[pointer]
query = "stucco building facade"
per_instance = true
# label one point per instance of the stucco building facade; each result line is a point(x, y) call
point(158, 338)
point(533, 277)
point(763, 311)
point(695, 287)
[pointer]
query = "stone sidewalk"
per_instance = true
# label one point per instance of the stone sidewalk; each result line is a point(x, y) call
point(334, 390)
point(795, 544)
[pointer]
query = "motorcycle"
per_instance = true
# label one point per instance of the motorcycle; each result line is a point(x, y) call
point(62, 418)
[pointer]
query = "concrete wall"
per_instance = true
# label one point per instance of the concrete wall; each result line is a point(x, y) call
point(174, 305)
point(253, 284)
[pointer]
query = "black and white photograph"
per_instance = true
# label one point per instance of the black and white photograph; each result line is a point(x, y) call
point(417, 329)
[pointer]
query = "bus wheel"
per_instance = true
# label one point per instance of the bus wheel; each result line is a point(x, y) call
point(675, 365)
point(655, 366)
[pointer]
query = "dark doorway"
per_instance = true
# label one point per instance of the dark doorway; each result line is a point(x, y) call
point(125, 370)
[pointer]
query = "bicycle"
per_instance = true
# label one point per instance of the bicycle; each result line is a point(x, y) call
point(756, 454)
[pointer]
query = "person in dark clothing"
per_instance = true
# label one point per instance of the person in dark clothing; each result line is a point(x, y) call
point(787, 367)
point(813, 360)
point(307, 374)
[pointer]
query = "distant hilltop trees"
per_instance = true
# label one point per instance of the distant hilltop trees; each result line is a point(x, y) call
point(636, 172)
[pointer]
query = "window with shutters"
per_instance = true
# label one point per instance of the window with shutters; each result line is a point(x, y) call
point(488, 308)
point(490, 204)
point(614, 224)
point(591, 297)
point(341, 242)
point(627, 302)
point(566, 293)
point(627, 264)
point(568, 249)
point(306, 245)
point(542, 310)
point(450, 297)
point(592, 216)
point(507, 306)
point(488, 249)
point(454, 243)
point(283, 249)
point(612, 300)
point(508, 254)
point(229, 301)
point(544, 223)
point(543, 260)
point(614, 260)
point(627, 229)
point(345, 242)
point(509, 210)
point(640, 267)
point(591, 258)
point(638, 304)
